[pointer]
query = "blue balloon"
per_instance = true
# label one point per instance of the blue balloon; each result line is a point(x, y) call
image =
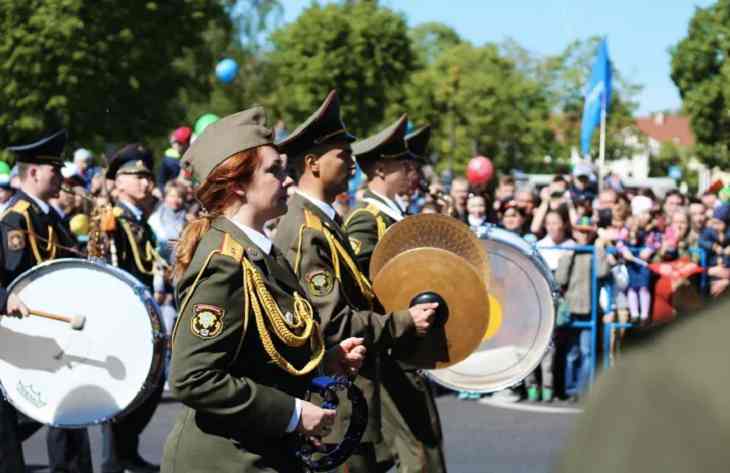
point(226, 70)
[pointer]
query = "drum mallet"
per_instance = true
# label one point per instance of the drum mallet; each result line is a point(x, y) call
point(76, 321)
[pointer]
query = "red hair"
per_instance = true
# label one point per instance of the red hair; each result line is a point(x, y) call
point(216, 194)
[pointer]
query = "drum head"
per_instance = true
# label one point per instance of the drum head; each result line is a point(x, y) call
point(522, 317)
point(73, 378)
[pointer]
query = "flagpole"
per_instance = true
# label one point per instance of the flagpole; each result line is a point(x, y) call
point(602, 146)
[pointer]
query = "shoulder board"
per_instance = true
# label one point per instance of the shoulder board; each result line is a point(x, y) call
point(312, 221)
point(231, 248)
point(371, 209)
point(20, 206)
point(118, 211)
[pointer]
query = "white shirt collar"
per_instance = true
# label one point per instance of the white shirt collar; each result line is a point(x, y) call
point(256, 237)
point(60, 212)
point(134, 209)
point(324, 207)
point(390, 208)
point(45, 207)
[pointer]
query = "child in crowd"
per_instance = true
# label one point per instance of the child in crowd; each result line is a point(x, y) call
point(715, 240)
point(476, 209)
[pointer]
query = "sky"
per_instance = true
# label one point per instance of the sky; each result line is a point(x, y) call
point(640, 32)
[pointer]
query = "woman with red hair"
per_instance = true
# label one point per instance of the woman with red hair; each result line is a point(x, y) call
point(247, 341)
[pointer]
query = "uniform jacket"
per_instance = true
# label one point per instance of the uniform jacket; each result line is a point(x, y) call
point(337, 295)
point(238, 402)
point(365, 226)
point(30, 237)
point(132, 238)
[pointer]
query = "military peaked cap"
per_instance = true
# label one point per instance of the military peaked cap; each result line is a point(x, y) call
point(323, 126)
point(417, 143)
point(47, 150)
point(389, 143)
point(130, 159)
point(226, 137)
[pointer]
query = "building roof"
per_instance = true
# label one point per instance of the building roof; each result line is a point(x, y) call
point(662, 128)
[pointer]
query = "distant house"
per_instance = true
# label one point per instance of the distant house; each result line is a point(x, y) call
point(663, 128)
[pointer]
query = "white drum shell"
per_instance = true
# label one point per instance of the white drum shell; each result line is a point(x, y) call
point(521, 282)
point(74, 378)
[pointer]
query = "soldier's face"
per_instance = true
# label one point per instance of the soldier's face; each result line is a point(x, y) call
point(135, 187)
point(335, 167)
point(396, 176)
point(266, 194)
point(48, 179)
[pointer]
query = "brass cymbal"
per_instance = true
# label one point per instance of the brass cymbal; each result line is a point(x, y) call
point(430, 231)
point(436, 270)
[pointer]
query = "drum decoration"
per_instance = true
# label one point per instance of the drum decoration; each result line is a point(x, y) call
point(522, 299)
point(72, 378)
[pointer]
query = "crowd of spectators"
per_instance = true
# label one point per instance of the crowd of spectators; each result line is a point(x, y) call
point(627, 229)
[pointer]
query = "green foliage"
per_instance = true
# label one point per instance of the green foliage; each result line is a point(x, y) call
point(478, 102)
point(359, 48)
point(701, 71)
point(107, 70)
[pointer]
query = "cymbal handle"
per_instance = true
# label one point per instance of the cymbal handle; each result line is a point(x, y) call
point(442, 312)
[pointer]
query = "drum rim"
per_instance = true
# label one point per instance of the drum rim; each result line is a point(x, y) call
point(553, 289)
point(156, 370)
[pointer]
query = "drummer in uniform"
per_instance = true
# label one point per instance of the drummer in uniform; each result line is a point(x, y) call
point(411, 427)
point(133, 250)
point(32, 232)
point(320, 160)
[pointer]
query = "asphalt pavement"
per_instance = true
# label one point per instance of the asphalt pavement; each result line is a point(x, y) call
point(479, 437)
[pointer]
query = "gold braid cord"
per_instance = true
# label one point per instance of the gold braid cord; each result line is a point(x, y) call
point(259, 298)
point(50, 249)
point(150, 255)
point(337, 251)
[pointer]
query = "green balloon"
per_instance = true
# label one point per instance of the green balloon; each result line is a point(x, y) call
point(204, 121)
point(4, 168)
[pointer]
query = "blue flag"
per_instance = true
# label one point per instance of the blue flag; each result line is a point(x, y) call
point(597, 96)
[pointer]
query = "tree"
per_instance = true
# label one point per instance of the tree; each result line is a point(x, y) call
point(359, 48)
point(431, 39)
point(701, 71)
point(107, 70)
point(477, 101)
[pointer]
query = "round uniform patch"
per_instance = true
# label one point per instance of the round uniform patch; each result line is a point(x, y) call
point(356, 245)
point(16, 240)
point(207, 321)
point(320, 282)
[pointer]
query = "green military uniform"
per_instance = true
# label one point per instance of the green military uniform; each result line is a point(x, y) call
point(132, 249)
point(320, 253)
point(664, 407)
point(246, 342)
point(411, 427)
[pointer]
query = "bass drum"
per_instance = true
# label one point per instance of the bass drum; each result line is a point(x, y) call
point(74, 378)
point(522, 306)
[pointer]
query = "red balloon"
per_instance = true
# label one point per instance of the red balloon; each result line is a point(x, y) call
point(479, 170)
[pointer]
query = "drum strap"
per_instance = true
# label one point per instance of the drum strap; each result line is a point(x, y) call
point(337, 252)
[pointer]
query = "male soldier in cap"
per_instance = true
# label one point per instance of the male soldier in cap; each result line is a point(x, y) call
point(411, 426)
point(320, 158)
point(133, 249)
point(32, 232)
